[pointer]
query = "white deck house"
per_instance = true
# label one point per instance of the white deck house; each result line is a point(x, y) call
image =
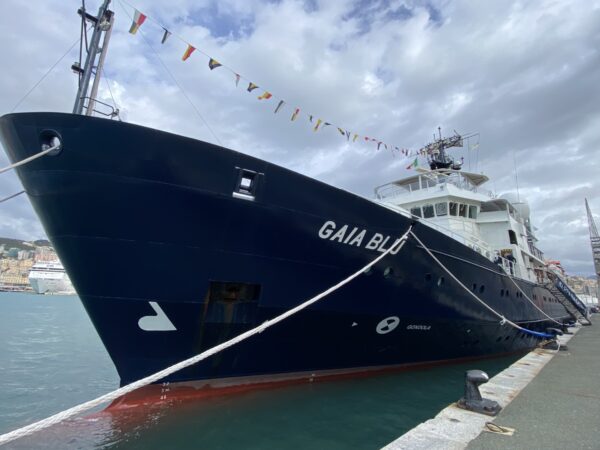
point(454, 203)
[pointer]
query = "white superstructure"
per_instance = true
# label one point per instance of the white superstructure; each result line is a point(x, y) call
point(454, 203)
point(50, 278)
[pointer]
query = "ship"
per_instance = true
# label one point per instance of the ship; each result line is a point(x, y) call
point(213, 242)
point(50, 278)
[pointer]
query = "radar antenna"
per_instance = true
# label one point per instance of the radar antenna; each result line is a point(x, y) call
point(436, 151)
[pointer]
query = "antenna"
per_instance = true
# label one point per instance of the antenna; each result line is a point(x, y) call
point(516, 176)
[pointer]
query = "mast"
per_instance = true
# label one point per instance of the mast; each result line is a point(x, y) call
point(436, 151)
point(102, 26)
point(595, 242)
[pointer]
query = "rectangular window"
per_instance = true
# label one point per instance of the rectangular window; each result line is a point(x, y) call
point(428, 211)
point(441, 209)
point(462, 210)
point(453, 208)
point(512, 237)
point(416, 211)
point(472, 212)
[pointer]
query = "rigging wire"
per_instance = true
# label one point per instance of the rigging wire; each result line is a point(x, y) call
point(172, 77)
point(111, 93)
point(45, 75)
point(11, 196)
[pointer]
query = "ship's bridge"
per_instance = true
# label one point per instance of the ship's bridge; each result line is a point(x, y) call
point(429, 182)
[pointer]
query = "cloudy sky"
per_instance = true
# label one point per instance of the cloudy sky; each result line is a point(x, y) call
point(525, 75)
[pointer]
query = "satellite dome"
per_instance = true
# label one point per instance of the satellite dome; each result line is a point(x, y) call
point(520, 204)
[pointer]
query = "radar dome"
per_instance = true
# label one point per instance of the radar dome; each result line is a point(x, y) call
point(520, 205)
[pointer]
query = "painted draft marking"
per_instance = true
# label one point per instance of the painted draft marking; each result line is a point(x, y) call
point(388, 324)
point(158, 322)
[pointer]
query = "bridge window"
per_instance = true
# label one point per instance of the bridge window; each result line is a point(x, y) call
point(441, 209)
point(512, 237)
point(462, 210)
point(453, 208)
point(428, 211)
point(416, 211)
point(472, 212)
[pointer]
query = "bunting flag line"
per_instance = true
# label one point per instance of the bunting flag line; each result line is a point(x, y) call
point(415, 163)
point(279, 105)
point(165, 36)
point(213, 64)
point(138, 20)
point(188, 52)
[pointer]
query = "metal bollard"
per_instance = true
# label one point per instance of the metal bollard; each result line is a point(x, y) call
point(472, 399)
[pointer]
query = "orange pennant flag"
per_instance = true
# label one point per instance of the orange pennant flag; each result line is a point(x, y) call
point(188, 52)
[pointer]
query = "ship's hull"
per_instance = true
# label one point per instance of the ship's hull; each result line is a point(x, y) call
point(170, 257)
point(50, 283)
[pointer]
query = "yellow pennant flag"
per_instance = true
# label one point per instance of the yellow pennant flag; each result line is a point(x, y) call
point(317, 125)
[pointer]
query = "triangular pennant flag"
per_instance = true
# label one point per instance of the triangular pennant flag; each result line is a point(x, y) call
point(138, 20)
point(165, 36)
point(310, 118)
point(326, 124)
point(237, 80)
point(251, 87)
point(342, 132)
point(355, 138)
point(213, 64)
point(295, 114)
point(279, 105)
point(415, 163)
point(347, 135)
point(317, 125)
point(188, 51)
point(266, 96)
point(379, 144)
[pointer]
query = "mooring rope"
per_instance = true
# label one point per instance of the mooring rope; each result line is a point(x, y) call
point(11, 196)
point(503, 319)
point(30, 158)
point(531, 301)
point(76, 410)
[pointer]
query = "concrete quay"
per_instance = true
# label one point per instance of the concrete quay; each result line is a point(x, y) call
point(554, 408)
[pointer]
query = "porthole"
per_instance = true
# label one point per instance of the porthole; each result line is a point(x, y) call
point(427, 277)
point(441, 281)
point(501, 292)
point(368, 271)
point(481, 289)
point(499, 338)
point(388, 272)
point(507, 338)
point(474, 287)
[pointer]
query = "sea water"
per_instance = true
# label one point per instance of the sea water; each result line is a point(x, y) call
point(51, 358)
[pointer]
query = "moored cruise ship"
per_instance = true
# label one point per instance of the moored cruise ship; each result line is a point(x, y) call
point(252, 240)
point(50, 278)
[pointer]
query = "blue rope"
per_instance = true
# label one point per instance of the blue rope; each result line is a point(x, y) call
point(537, 333)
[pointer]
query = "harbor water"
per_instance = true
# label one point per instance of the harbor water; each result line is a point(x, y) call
point(51, 358)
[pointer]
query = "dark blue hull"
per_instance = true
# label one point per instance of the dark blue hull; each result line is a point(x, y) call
point(139, 216)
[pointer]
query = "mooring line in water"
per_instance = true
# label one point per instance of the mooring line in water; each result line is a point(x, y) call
point(76, 410)
point(503, 320)
point(30, 158)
